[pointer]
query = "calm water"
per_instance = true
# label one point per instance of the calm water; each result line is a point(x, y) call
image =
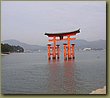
point(32, 73)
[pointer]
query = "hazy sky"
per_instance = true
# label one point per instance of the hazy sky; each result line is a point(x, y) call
point(27, 21)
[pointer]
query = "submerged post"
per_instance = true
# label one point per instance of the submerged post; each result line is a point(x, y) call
point(49, 57)
point(65, 53)
point(73, 55)
point(58, 51)
point(54, 47)
point(69, 47)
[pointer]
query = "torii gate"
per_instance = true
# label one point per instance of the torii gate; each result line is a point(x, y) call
point(54, 50)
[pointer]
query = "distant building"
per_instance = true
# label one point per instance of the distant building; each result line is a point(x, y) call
point(87, 49)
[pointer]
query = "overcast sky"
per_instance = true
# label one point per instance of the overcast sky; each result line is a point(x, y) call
point(27, 21)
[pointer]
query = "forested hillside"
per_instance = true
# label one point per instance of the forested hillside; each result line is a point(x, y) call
point(6, 48)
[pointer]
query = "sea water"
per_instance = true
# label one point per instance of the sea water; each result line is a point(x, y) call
point(32, 73)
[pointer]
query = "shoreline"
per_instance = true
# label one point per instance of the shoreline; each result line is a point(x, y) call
point(99, 91)
point(2, 54)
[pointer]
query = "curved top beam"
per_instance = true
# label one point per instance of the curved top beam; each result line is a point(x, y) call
point(63, 33)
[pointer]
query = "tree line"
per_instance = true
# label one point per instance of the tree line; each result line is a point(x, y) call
point(6, 48)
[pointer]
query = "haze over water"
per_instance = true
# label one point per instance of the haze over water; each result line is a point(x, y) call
point(32, 73)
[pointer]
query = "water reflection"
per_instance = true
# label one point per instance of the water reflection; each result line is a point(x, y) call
point(61, 79)
point(69, 67)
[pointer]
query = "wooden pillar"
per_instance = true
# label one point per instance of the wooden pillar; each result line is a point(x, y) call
point(49, 56)
point(73, 53)
point(69, 47)
point(54, 47)
point(65, 54)
point(58, 51)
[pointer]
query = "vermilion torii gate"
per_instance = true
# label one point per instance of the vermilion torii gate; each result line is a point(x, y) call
point(54, 51)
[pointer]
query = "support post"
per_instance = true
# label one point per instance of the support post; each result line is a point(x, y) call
point(58, 51)
point(69, 48)
point(49, 57)
point(54, 47)
point(73, 55)
point(65, 54)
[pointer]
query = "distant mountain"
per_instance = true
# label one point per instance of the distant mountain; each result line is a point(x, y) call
point(24, 45)
point(78, 44)
point(91, 44)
